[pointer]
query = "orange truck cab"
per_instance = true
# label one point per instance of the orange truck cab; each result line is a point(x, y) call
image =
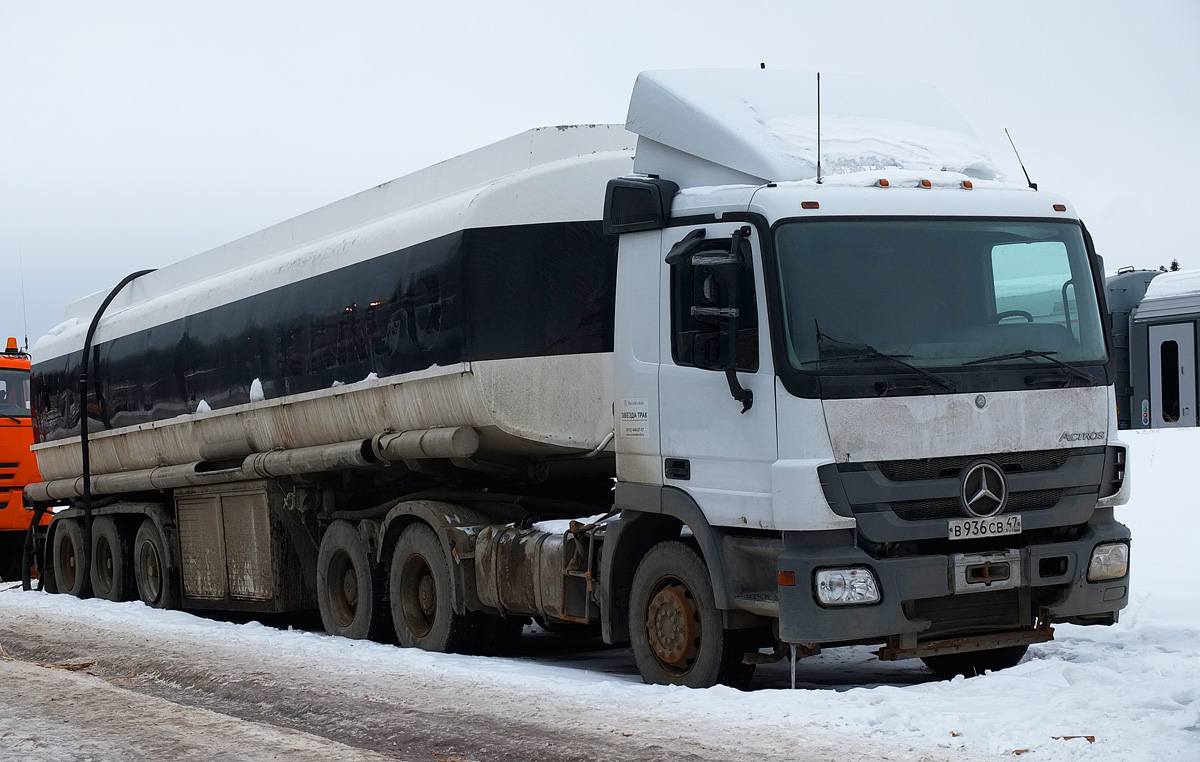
point(17, 464)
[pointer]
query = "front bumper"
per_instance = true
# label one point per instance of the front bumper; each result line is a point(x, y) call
point(918, 596)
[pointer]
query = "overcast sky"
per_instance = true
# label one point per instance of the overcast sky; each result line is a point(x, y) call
point(135, 134)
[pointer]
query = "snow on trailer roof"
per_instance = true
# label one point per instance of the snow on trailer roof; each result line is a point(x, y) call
point(716, 127)
point(1171, 294)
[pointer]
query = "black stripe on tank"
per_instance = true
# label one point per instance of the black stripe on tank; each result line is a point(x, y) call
point(478, 294)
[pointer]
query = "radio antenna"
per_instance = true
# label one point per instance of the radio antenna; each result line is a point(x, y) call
point(1032, 184)
point(818, 128)
point(24, 314)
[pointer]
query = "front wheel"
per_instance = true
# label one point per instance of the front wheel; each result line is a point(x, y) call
point(975, 662)
point(675, 626)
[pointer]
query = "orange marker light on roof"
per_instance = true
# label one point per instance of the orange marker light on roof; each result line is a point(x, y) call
point(809, 205)
point(967, 184)
point(882, 183)
point(926, 184)
point(12, 345)
point(1060, 207)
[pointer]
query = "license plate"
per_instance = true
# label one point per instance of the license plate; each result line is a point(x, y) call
point(996, 526)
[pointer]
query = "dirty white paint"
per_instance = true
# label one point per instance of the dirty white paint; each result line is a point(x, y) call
point(900, 428)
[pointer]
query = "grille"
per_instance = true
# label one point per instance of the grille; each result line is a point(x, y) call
point(947, 507)
point(946, 468)
point(989, 610)
point(1033, 501)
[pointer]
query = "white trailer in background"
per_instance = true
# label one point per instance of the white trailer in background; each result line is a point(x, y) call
point(829, 411)
point(1163, 335)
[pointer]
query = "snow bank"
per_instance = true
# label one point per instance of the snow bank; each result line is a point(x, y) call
point(1134, 687)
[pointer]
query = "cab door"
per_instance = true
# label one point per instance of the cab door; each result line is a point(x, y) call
point(718, 442)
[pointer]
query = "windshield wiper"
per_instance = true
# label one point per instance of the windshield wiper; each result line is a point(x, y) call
point(1070, 369)
point(864, 352)
point(12, 417)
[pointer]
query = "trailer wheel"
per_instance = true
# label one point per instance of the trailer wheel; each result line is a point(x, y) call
point(674, 625)
point(421, 593)
point(111, 570)
point(349, 586)
point(70, 564)
point(150, 569)
point(975, 662)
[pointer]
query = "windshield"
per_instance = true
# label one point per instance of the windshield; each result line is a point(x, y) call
point(936, 293)
point(14, 393)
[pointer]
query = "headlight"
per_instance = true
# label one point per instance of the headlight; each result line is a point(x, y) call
point(1110, 561)
point(846, 587)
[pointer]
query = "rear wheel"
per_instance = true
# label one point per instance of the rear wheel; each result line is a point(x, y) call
point(975, 662)
point(112, 568)
point(70, 563)
point(349, 588)
point(421, 593)
point(150, 568)
point(675, 626)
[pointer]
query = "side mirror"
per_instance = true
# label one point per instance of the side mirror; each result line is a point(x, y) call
point(714, 303)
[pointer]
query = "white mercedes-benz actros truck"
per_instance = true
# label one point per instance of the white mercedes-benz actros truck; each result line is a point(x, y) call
point(798, 376)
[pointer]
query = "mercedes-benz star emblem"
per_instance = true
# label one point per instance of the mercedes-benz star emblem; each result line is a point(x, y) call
point(983, 492)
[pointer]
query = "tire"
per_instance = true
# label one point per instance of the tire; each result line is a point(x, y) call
point(421, 592)
point(975, 662)
point(349, 585)
point(111, 571)
point(68, 558)
point(675, 627)
point(151, 572)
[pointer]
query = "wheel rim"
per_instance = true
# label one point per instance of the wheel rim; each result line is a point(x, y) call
point(104, 565)
point(149, 572)
point(343, 588)
point(673, 626)
point(418, 595)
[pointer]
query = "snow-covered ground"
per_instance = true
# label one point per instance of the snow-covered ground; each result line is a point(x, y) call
point(1133, 687)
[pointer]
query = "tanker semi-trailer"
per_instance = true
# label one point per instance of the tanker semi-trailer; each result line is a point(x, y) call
point(789, 401)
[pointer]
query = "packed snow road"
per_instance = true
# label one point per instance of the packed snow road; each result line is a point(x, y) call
point(153, 684)
point(102, 681)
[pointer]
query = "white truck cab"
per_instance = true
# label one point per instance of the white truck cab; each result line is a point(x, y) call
point(890, 381)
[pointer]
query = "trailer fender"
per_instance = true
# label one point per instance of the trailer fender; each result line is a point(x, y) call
point(444, 519)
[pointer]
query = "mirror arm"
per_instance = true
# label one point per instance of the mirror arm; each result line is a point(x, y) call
point(684, 249)
point(739, 392)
